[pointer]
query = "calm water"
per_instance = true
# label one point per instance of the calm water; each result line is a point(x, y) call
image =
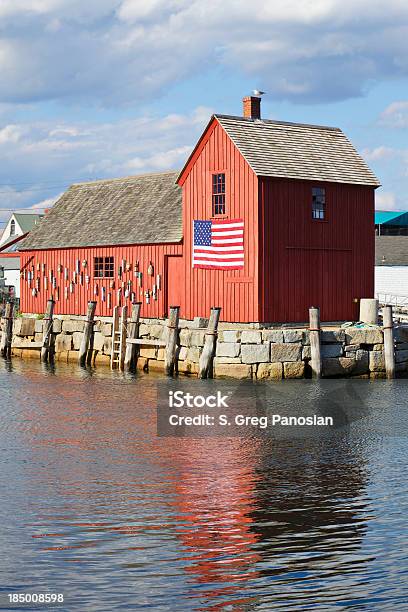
point(95, 506)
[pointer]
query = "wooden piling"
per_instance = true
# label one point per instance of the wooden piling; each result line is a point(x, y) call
point(88, 331)
point(207, 356)
point(170, 356)
point(389, 356)
point(47, 348)
point(7, 335)
point(115, 341)
point(314, 331)
point(122, 336)
point(132, 334)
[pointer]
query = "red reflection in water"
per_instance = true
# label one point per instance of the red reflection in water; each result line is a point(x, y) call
point(213, 503)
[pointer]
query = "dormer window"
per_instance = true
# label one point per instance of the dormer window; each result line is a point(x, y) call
point(218, 194)
point(318, 203)
point(12, 228)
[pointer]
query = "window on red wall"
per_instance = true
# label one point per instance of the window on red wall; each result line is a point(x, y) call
point(104, 267)
point(318, 203)
point(218, 194)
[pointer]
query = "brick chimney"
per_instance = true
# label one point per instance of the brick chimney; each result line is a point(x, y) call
point(252, 107)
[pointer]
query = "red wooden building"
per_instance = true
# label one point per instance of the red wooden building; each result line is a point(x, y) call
point(266, 219)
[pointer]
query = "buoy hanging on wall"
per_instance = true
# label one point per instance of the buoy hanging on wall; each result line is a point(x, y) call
point(109, 300)
point(103, 294)
point(150, 269)
point(147, 296)
point(78, 266)
point(96, 290)
point(87, 279)
point(158, 281)
point(66, 274)
point(45, 283)
point(57, 294)
point(154, 292)
point(71, 287)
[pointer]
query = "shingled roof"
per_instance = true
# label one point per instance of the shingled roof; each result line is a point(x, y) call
point(134, 210)
point(293, 150)
point(391, 251)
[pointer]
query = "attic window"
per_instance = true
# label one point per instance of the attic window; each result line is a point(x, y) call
point(318, 203)
point(104, 267)
point(12, 228)
point(218, 194)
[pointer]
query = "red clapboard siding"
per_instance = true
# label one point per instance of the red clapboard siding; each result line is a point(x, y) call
point(76, 304)
point(292, 262)
point(306, 262)
point(236, 291)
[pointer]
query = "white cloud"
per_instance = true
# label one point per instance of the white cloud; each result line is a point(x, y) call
point(44, 205)
point(160, 161)
point(386, 200)
point(118, 51)
point(378, 153)
point(11, 134)
point(396, 115)
point(73, 152)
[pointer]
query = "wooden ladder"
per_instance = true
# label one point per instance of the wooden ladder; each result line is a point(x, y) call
point(118, 350)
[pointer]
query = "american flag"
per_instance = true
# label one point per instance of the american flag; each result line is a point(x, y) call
point(219, 244)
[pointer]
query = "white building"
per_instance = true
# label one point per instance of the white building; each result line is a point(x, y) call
point(18, 226)
point(391, 269)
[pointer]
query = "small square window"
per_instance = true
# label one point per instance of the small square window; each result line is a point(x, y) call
point(318, 203)
point(104, 267)
point(218, 194)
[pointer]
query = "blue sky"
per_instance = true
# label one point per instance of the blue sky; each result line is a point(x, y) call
point(108, 88)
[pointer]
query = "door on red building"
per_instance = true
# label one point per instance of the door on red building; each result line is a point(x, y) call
point(174, 282)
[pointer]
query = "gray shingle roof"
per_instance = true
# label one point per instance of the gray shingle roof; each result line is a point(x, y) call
point(391, 251)
point(297, 151)
point(27, 221)
point(133, 210)
point(10, 263)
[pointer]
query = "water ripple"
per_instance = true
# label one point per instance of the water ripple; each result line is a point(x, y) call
point(96, 506)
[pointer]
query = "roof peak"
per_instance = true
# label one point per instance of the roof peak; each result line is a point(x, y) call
point(25, 214)
point(276, 122)
point(126, 178)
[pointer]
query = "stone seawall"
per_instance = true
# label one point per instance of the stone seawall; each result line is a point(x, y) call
point(242, 350)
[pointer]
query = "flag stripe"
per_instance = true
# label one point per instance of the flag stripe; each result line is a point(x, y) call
point(217, 256)
point(215, 263)
point(219, 249)
point(228, 241)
